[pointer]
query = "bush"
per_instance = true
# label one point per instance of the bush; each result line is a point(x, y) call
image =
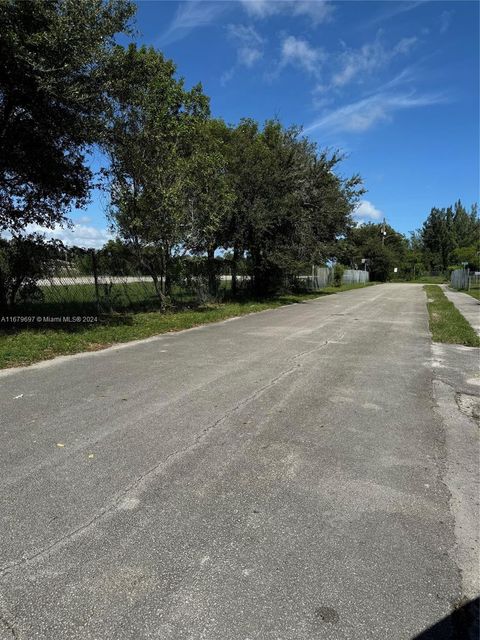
point(24, 260)
point(338, 272)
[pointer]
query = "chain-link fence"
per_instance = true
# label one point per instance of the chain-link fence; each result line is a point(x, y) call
point(95, 282)
point(116, 281)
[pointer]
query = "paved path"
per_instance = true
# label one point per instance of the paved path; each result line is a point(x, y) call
point(468, 306)
point(283, 476)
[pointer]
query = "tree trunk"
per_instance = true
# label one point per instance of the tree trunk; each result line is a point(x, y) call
point(259, 284)
point(168, 271)
point(212, 275)
point(236, 252)
point(158, 290)
point(12, 294)
point(3, 292)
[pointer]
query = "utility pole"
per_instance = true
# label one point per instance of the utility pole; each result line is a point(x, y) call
point(383, 232)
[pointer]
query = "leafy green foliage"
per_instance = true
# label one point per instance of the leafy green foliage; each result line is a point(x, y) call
point(181, 182)
point(52, 102)
point(150, 142)
point(290, 206)
point(23, 261)
point(338, 272)
point(450, 234)
point(365, 243)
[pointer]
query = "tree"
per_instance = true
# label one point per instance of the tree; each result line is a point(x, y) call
point(23, 261)
point(468, 256)
point(329, 201)
point(438, 238)
point(209, 194)
point(154, 120)
point(447, 230)
point(466, 225)
point(52, 102)
point(291, 207)
point(365, 242)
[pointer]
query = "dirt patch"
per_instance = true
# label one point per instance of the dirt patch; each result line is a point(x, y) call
point(469, 405)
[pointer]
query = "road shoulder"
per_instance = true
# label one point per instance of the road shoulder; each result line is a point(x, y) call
point(456, 388)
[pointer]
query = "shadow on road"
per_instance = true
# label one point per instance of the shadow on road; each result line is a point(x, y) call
point(461, 624)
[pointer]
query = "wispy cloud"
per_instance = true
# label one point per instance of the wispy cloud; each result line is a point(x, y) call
point(250, 45)
point(189, 16)
point(394, 9)
point(317, 11)
point(365, 210)
point(354, 64)
point(362, 115)
point(298, 52)
point(445, 21)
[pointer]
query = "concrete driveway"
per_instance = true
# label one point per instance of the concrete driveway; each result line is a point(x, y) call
point(288, 475)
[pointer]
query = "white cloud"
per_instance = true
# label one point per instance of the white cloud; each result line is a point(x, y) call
point(354, 64)
point(318, 11)
point(445, 21)
point(404, 45)
point(81, 235)
point(394, 9)
point(298, 52)
point(250, 43)
point(365, 210)
point(227, 76)
point(83, 220)
point(260, 8)
point(360, 116)
point(189, 16)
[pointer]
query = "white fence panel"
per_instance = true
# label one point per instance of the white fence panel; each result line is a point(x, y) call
point(323, 277)
point(459, 279)
point(355, 276)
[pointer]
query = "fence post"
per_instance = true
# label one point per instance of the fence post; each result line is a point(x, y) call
point(95, 278)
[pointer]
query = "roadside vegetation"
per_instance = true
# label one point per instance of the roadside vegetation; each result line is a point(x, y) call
point(475, 293)
point(19, 348)
point(441, 279)
point(447, 323)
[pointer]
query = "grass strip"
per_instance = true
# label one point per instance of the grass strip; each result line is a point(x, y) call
point(475, 293)
point(446, 322)
point(26, 346)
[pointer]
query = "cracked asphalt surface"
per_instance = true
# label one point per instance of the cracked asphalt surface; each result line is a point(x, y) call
point(289, 475)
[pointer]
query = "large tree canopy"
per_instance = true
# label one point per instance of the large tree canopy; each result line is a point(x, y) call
point(290, 207)
point(52, 102)
point(448, 231)
point(151, 138)
point(383, 252)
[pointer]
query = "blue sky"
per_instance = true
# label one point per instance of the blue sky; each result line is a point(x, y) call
point(392, 84)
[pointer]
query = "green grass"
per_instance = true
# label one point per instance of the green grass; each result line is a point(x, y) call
point(121, 297)
point(25, 346)
point(430, 280)
point(447, 323)
point(475, 293)
point(422, 280)
point(344, 287)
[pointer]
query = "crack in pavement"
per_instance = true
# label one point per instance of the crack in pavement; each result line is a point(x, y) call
point(113, 505)
point(6, 620)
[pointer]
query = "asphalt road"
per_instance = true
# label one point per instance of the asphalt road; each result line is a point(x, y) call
point(282, 476)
